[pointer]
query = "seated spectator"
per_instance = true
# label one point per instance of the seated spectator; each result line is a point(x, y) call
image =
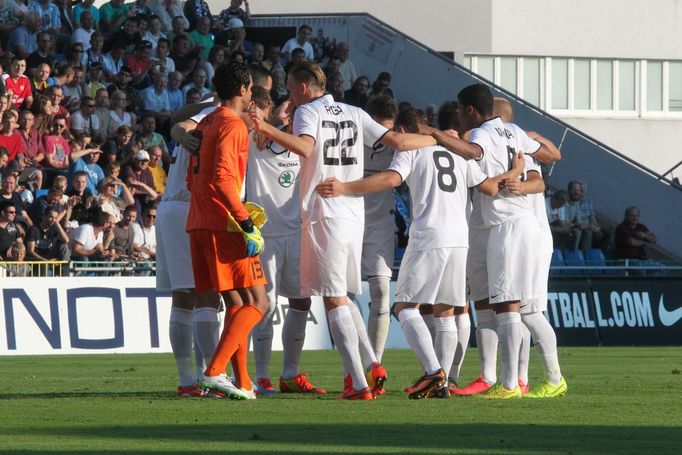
point(149, 137)
point(56, 146)
point(4, 102)
point(29, 178)
point(18, 84)
point(202, 38)
point(121, 144)
point(382, 85)
point(431, 112)
point(10, 230)
point(34, 153)
point(346, 66)
point(580, 211)
point(179, 26)
point(124, 235)
point(84, 32)
point(67, 18)
point(86, 5)
point(122, 82)
point(128, 37)
point(272, 60)
point(11, 14)
point(335, 87)
point(112, 15)
point(194, 9)
point(4, 161)
point(10, 137)
point(49, 15)
point(8, 193)
point(154, 33)
point(73, 91)
point(17, 256)
point(85, 120)
point(23, 41)
point(119, 115)
point(109, 202)
point(62, 183)
point(175, 96)
point(185, 59)
point(43, 114)
point(140, 63)
point(140, 180)
point(357, 95)
point(102, 110)
point(632, 236)
point(279, 91)
point(235, 10)
point(114, 62)
point(142, 11)
point(74, 55)
point(156, 167)
point(56, 95)
point(44, 53)
point(193, 96)
point(162, 63)
point(154, 99)
point(167, 11)
point(95, 80)
point(81, 205)
point(297, 56)
point(94, 53)
point(261, 77)
point(52, 198)
point(332, 66)
point(198, 82)
point(257, 54)
point(41, 80)
point(86, 242)
point(564, 233)
point(301, 41)
point(86, 161)
point(144, 242)
point(233, 38)
point(47, 241)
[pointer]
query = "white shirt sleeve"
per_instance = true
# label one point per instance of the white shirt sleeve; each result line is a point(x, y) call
point(474, 174)
point(526, 144)
point(372, 132)
point(138, 237)
point(402, 163)
point(200, 116)
point(479, 137)
point(77, 121)
point(305, 122)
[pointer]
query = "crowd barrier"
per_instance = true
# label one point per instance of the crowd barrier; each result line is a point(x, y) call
point(86, 315)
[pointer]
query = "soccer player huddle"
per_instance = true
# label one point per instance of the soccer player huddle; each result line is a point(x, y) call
point(324, 181)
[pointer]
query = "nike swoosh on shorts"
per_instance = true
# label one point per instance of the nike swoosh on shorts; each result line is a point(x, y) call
point(668, 318)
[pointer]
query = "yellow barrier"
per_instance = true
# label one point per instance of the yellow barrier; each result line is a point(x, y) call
point(33, 268)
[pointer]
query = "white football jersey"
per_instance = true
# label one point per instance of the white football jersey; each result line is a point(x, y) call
point(176, 183)
point(439, 184)
point(272, 182)
point(378, 206)
point(500, 144)
point(340, 132)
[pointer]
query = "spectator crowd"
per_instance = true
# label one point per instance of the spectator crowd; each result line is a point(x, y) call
point(87, 97)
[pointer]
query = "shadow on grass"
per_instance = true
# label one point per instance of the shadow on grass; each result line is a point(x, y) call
point(391, 438)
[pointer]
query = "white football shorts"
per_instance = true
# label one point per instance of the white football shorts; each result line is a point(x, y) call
point(331, 250)
point(378, 248)
point(281, 260)
point(433, 276)
point(173, 258)
point(512, 250)
point(543, 260)
point(477, 268)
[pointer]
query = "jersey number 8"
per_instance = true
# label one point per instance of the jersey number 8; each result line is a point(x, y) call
point(446, 176)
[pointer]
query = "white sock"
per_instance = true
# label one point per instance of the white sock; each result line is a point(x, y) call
point(345, 337)
point(446, 341)
point(524, 354)
point(486, 340)
point(419, 339)
point(293, 337)
point(379, 313)
point(463, 334)
point(545, 342)
point(206, 332)
point(431, 325)
point(199, 361)
point(509, 333)
point(366, 349)
point(261, 335)
point(180, 334)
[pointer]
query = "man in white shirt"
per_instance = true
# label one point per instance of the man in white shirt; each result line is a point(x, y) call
point(85, 120)
point(433, 268)
point(302, 41)
point(329, 137)
point(346, 67)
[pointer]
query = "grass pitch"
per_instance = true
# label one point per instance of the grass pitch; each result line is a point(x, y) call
point(620, 400)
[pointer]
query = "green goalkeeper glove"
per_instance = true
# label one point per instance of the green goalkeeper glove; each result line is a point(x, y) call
point(252, 238)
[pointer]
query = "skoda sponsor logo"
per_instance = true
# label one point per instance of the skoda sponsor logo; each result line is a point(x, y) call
point(286, 178)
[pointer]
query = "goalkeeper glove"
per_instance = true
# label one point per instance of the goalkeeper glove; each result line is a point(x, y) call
point(252, 237)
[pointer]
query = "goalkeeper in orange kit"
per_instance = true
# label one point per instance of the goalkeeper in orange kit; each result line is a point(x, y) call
point(224, 240)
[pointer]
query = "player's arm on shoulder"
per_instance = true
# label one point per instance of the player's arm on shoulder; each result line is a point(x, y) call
point(302, 145)
point(453, 143)
point(190, 110)
point(182, 134)
point(406, 141)
point(492, 185)
point(548, 152)
point(533, 184)
point(381, 181)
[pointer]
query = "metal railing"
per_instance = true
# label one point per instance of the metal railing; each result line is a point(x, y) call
point(33, 269)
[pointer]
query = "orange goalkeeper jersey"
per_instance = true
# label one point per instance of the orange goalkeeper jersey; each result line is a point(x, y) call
point(215, 175)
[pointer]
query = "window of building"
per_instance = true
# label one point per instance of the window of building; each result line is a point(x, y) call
point(675, 86)
point(654, 86)
point(531, 80)
point(627, 89)
point(581, 84)
point(604, 85)
point(559, 83)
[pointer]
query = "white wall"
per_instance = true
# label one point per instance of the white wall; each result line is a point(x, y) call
point(653, 143)
point(579, 28)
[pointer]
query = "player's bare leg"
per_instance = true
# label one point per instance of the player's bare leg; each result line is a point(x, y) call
point(434, 381)
point(379, 313)
point(345, 337)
